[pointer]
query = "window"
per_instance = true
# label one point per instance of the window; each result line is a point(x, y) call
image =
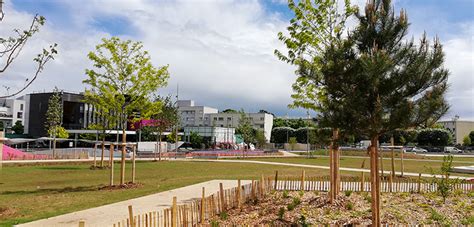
point(215, 118)
point(229, 119)
point(19, 115)
point(262, 118)
point(221, 118)
point(21, 106)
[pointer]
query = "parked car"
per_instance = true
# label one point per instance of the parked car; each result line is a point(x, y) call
point(452, 150)
point(417, 150)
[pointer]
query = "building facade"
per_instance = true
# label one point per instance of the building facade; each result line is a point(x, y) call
point(11, 111)
point(212, 134)
point(203, 116)
point(76, 113)
point(458, 128)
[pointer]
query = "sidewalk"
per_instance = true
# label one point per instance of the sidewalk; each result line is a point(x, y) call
point(108, 214)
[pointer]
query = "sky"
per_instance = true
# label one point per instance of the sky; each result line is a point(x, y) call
point(220, 52)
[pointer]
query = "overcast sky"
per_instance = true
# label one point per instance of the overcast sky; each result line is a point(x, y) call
point(220, 52)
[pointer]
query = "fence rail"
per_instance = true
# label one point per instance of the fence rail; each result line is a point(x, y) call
point(197, 212)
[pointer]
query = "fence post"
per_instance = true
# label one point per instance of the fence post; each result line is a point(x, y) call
point(130, 216)
point(262, 180)
point(419, 183)
point(203, 204)
point(302, 180)
point(276, 180)
point(82, 223)
point(362, 182)
point(221, 196)
point(174, 218)
point(390, 183)
point(238, 195)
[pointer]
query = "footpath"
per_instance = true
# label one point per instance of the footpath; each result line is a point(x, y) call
point(112, 213)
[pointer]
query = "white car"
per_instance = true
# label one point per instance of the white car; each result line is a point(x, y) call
point(418, 150)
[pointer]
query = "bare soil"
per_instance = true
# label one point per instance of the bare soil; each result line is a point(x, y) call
point(128, 185)
point(313, 208)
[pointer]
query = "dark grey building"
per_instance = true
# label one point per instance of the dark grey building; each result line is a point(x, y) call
point(76, 113)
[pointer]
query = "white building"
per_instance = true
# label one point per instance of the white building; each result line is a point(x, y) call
point(214, 134)
point(191, 115)
point(203, 116)
point(458, 128)
point(259, 121)
point(11, 111)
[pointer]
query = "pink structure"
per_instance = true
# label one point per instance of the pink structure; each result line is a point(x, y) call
point(15, 154)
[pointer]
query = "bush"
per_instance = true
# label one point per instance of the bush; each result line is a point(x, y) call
point(281, 134)
point(348, 193)
point(434, 137)
point(301, 134)
point(285, 194)
point(349, 206)
point(281, 213)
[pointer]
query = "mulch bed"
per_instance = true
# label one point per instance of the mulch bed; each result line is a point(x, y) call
point(313, 208)
point(128, 185)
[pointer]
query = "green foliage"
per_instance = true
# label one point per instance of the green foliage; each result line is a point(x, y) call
point(435, 216)
point(282, 134)
point(59, 131)
point(245, 128)
point(281, 213)
point(444, 184)
point(164, 112)
point(292, 123)
point(471, 136)
point(123, 78)
point(1, 125)
point(196, 140)
point(302, 134)
point(260, 139)
point(223, 215)
point(348, 193)
point(296, 201)
point(301, 193)
point(349, 205)
point(302, 221)
point(401, 137)
point(230, 111)
point(18, 128)
point(172, 137)
point(466, 141)
point(285, 194)
point(54, 113)
point(433, 137)
point(292, 143)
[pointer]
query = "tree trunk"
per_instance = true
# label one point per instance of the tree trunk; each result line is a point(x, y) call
point(54, 147)
point(102, 152)
point(375, 182)
point(401, 159)
point(124, 151)
point(334, 166)
point(159, 146)
point(111, 164)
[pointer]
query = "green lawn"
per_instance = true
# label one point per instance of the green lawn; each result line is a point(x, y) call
point(415, 166)
point(34, 192)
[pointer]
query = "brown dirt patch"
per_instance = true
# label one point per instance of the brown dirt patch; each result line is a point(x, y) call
point(128, 185)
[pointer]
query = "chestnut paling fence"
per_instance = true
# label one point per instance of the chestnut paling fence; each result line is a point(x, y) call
point(199, 211)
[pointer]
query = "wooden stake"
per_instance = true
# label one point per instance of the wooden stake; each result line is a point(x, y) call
point(174, 213)
point(221, 196)
point(392, 143)
point(302, 180)
point(238, 195)
point(133, 163)
point(276, 180)
point(111, 157)
point(419, 183)
point(203, 205)
point(262, 181)
point(130, 216)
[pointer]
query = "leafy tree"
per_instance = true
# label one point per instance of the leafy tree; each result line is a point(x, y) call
point(196, 140)
point(245, 128)
point(317, 26)
point(466, 141)
point(172, 137)
point(54, 116)
point(163, 115)
point(125, 77)
point(282, 134)
point(392, 84)
point(471, 136)
point(433, 137)
point(292, 142)
point(18, 128)
point(12, 46)
point(1, 125)
point(60, 132)
point(230, 111)
point(444, 184)
point(260, 139)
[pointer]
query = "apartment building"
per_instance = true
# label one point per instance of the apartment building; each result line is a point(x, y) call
point(11, 111)
point(192, 115)
point(458, 128)
point(259, 121)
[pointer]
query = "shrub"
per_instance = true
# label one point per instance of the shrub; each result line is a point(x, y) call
point(290, 207)
point(281, 134)
point(444, 184)
point(281, 213)
point(285, 194)
point(302, 221)
point(434, 137)
point(223, 215)
point(301, 193)
point(349, 206)
point(348, 193)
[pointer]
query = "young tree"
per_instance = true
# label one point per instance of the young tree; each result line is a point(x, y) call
point(163, 114)
point(54, 116)
point(18, 128)
point(245, 128)
point(260, 139)
point(126, 78)
point(317, 26)
point(466, 141)
point(393, 84)
point(12, 46)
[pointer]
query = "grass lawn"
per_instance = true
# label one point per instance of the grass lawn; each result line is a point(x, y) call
point(34, 192)
point(414, 166)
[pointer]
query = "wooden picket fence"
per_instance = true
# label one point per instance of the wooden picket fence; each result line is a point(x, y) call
point(197, 212)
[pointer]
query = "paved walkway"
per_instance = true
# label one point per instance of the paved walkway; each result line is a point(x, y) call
point(112, 213)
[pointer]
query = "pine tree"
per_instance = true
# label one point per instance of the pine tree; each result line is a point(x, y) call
point(392, 84)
